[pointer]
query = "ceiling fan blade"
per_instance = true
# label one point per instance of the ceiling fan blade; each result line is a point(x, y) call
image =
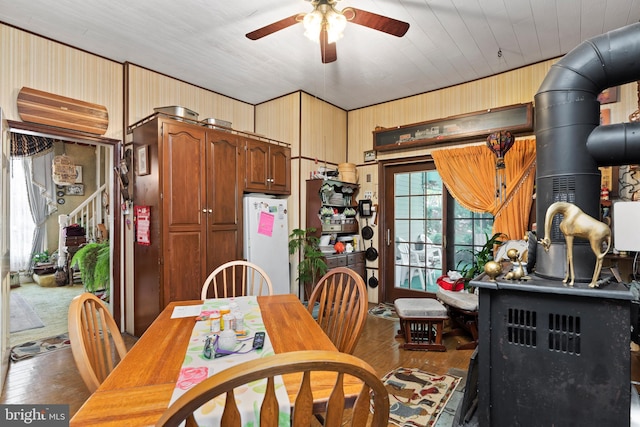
point(276, 26)
point(375, 21)
point(327, 50)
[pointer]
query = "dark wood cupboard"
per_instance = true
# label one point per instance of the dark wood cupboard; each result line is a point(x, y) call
point(194, 190)
point(355, 261)
point(326, 224)
point(320, 201)
point(268, 167)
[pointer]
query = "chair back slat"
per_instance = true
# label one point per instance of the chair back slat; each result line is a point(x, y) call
point(335, 405)
point(270, 410)
point(306, 362)
point(231, 413)
point(341, 296)
point(303, 408)
point(96, 342)
point(237, 278)
point(361, 407)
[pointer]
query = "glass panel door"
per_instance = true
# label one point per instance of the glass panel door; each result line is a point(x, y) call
point(416, 230)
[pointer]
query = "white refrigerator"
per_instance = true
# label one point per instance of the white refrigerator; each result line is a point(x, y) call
point(266, 238)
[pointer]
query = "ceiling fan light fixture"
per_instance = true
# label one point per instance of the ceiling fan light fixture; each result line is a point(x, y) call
point(324, 15)
point(336, 23)
point(312, 23)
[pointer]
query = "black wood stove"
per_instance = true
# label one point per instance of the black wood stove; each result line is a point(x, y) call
point(553, 355)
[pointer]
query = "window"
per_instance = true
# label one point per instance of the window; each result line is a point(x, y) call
point(425, 229)
point(418, 229)
point(469, 231)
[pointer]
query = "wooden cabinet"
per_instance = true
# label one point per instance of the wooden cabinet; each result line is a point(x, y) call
point(320, 203)
point(355, 261)
point(195, 194)
point(268, 167)
point(324, 196)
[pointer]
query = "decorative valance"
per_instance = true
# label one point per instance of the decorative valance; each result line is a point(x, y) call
point(23, 145)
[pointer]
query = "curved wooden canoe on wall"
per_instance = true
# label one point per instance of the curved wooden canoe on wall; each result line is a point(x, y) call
point(54, 110)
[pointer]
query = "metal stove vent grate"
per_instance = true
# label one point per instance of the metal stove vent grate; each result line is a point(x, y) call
point(521, 327)
point(564, 190)
point(564, 333)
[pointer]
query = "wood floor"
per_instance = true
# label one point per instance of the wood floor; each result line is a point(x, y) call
point(53, 378)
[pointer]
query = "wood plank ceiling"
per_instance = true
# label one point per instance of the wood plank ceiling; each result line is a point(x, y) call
point(203, 41)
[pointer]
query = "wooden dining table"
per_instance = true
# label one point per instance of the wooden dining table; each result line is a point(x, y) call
point(139, 389)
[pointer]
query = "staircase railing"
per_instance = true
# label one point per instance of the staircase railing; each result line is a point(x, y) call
point(88, 215)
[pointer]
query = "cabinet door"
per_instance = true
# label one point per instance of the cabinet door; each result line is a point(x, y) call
point(280, 169)
point(183, 220)
point(257, 169)
point(225, 170)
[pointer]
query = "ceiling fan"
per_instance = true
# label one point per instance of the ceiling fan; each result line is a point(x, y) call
point(325, 25)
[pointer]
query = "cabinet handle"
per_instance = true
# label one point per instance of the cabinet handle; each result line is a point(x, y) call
point(204, 211)
point(210, 210)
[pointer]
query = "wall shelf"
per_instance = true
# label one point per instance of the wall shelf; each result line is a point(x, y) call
point(516, 118)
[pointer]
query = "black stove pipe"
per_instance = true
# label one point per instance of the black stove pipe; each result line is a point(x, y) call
point(571, 144)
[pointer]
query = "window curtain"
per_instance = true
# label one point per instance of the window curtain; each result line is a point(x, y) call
point(37, 162)
point(41, 194)
point(22, 226)
point(469, 175)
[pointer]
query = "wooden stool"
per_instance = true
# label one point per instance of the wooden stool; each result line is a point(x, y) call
point(463, 311)
point(421, 323)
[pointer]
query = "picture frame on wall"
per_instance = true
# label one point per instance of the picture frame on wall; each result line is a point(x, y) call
point(142, 160)
point(74, 190)
point(78, 175)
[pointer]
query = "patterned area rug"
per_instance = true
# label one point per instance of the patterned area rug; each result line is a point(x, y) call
point(34, 348)
point(386, 311)
point(417, 398)
point(22, 315)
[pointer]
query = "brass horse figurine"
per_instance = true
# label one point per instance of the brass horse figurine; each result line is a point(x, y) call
point(576, 223)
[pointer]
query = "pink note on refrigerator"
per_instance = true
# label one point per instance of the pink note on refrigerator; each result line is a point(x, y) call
point(265, 226)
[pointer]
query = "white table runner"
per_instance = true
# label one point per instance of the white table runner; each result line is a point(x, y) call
point(197, 368)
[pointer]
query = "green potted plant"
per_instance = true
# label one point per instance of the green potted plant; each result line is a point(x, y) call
point(41, 257)
point(480, 257)
point(312, 264)
point(93, 260)
point(42, 263)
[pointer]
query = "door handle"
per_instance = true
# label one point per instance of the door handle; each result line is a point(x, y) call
point(388, 237)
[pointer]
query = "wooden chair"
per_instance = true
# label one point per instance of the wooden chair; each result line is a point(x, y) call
point(237, 278)
point(463, 312)
point(304, 362)
point(342, 306)
point(96, 343)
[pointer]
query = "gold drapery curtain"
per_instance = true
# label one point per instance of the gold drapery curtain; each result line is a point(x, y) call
point(469, 175)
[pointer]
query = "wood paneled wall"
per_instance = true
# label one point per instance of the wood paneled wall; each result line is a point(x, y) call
point(35, 62)
point(316, 130)
point(513, 87)
point(324, 131)
point(149, 90)
point(279, 119)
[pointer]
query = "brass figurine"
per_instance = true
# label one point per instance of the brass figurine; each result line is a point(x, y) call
point(518, 271)
point(493, 270)
point(578, 224)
